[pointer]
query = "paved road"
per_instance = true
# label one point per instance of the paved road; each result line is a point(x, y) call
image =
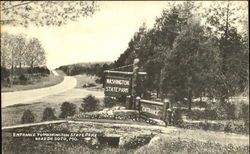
point(21, 97)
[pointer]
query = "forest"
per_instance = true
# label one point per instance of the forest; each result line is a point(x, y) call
point(193, 51)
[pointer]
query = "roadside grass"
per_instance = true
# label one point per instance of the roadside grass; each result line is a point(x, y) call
point(11, 115)
point(172, 144)
point(42, 82)
point(176, 141)
point(84, 79)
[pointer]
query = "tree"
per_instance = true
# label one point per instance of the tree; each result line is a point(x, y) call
point(223, 20)
point(48, 114)
point(28, 117)
point(10, 49)
point(21, 50)
point(192, 62)
point(41, 13)
point(67, 109)
point(35, 54)
point(90, 103)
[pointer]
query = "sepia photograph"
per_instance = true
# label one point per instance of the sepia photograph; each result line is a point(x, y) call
point(124, 77)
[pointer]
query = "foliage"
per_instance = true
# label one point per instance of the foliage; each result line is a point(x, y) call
point(90, 69)
point(67, 109)
point(26, 13)
point(177, 117)
point(170, 144)
point(109, 102)
point(48, 114)
point(186, 57)
point(4, 73)
point(18, 51)
point(35, 53)
point(90, 103)
point(245, 116)
point(28, 117)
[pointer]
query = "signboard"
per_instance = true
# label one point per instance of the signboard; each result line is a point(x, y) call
point(151, 110)
point(117, 86)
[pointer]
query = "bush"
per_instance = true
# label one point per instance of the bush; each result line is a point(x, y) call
point(4, 73)
point(48, 114)
point(177, 117)
point(109, 102)
point(28, 117)
point(231, 111)
point(90, 103)
point(23, 79)
point(67, 109)
point(245, 116)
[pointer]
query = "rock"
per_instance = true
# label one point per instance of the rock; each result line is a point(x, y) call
point(122, 108)
point(105, 109)
point(116, 108)
point(155, 140)
point(110, 112)
point(158, 122)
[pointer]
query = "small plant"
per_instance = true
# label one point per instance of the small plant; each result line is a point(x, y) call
point(28, 117)
point(90, 103)
point(109, 102)
point(23, 79)
point(48, 114)
point(177, 117)
point(67, 109)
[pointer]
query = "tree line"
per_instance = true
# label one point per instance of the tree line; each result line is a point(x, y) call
point(189, 55)
point(19, 53)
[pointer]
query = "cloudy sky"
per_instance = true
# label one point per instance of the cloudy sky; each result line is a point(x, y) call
point(102, 37)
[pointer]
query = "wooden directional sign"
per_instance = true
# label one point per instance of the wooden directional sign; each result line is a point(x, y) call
point(117, 86)
point(151, 108)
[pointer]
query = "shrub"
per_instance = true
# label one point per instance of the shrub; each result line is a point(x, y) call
point(28, 117)
point(245, 116)
point(228, 127)
point(109, 102)
point(90, 103)
point(67, 109)
point(221, 111)
point(177, 117)
point(231, 111)
point(48, 114)
point(4, 73)
point(23, 79)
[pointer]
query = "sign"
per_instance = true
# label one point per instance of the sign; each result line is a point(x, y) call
point(151, 110)
point(117, 86)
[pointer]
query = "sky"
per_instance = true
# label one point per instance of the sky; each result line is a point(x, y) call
point(102, 37)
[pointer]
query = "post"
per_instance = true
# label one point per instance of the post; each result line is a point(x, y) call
point(128, 102)
point(165, 107)
point(134, 80)
point(137, 103)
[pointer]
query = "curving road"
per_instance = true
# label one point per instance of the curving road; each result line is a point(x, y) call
point(21, 97)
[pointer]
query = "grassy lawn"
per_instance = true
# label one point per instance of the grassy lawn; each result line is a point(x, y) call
point(12, 114)
point(46, 81)
point(85, 79)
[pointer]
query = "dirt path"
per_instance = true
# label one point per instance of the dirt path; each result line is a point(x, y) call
point(20, 97)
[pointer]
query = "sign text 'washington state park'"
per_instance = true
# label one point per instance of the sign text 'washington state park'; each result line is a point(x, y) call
point(117, 86)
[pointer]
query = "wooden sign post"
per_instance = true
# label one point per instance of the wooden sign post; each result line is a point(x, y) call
point(120, 83)
point(134, 80)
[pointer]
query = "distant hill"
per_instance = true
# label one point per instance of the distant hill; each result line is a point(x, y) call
point(92, 68)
